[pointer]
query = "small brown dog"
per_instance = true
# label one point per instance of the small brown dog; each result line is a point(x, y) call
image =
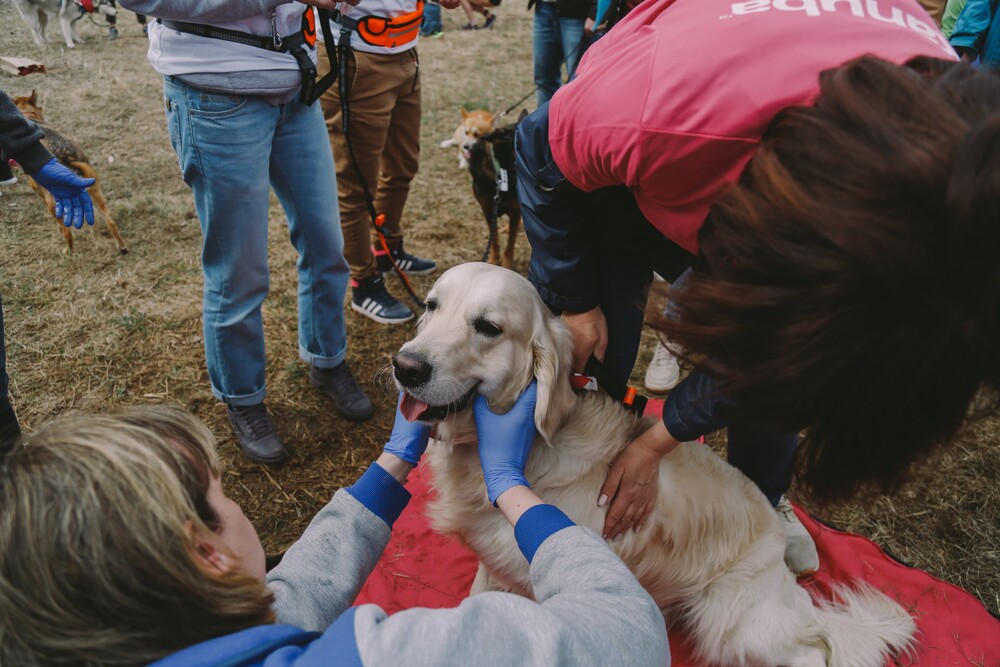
point(474, 125)
point(494, 183)
point(72, 156)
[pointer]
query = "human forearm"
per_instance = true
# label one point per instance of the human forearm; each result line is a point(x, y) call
point(588, 610)
point(20, 139)
point(321, 573)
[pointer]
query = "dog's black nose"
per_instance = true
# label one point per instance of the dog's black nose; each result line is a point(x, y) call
point(410, 370)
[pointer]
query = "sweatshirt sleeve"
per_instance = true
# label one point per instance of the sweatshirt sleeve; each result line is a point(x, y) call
point(589, 610)
point(321, 574)
point(20, 139)
point(971, 25)
point(198, 11)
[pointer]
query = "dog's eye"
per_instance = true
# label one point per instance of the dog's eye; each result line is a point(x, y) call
point(432, 304)
point(487, 328)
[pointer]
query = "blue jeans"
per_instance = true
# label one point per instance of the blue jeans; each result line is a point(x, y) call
point(232, 150)
point(602, 237)
point(432, 19)
point(556, 40)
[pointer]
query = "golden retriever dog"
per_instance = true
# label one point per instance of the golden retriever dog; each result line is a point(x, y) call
point(712, 552)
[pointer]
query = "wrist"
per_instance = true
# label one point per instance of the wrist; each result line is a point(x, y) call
point(658, 439)
point(515, 501)
point(396, 466)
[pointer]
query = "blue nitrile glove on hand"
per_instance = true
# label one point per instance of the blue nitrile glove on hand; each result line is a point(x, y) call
point(505, 441)
point(408, 440)
point(73, 204)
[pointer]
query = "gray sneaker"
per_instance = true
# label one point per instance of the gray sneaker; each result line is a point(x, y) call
point(339, 384)
point(800, 550)
point(256, 434)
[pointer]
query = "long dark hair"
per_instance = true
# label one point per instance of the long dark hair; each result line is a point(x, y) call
point(849, 285)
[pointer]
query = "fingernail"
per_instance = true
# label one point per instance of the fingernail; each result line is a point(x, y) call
point(602, 501)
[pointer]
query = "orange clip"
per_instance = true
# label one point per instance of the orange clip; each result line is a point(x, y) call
point(629, 396)
point(380, 220)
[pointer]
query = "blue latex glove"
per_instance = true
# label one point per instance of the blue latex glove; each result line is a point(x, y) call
point(505, 441)
point(73, 204)
point(408, 440)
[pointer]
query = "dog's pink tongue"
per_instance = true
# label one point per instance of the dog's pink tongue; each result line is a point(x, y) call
point(411, 407)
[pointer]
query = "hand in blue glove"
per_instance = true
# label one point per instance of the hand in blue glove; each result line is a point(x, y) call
point(73, 204)
point(505, 441)
point(408, 440)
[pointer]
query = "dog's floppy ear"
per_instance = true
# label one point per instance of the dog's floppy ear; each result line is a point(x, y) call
point(552, 350)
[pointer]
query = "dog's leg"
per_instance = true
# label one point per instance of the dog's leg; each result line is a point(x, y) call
point(100, 204)
point(50, 203)
point(448, 143)
point(67, 29)
point(514, 220)
point(36, 21)
point(487, 205)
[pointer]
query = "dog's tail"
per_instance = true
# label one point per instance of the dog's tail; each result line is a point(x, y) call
point(864, 628)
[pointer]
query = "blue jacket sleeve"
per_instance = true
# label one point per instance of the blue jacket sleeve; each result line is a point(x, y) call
point(972, 25)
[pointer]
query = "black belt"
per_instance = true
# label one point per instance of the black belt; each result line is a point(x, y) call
point(294, 44)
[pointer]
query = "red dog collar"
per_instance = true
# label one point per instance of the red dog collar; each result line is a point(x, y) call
point(88, 5)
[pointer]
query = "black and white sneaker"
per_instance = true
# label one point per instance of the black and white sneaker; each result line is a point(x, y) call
point(370, 298)
point(411, 264)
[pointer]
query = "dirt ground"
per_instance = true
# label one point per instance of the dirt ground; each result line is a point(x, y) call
point(95, 329)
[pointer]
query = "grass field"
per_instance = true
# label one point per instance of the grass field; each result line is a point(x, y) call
point(94, 329)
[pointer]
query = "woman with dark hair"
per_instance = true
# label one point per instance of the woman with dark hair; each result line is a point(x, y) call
point(833, 175)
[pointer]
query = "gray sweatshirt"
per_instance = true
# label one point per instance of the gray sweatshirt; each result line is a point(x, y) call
point(589, 608)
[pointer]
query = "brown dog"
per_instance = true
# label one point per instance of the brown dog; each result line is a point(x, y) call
point(72, 156)
point(474, 125)
point(494, 183)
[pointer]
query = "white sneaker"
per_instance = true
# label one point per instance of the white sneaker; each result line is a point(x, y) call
point(663, 372)
point(10, 181)
point(800, 550)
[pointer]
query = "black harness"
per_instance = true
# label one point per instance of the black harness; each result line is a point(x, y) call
point(295, 44)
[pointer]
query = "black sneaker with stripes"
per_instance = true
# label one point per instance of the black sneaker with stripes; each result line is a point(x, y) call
point(370, 298)
point(411, 264)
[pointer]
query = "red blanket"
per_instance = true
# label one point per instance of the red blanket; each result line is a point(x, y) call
point(420, 568)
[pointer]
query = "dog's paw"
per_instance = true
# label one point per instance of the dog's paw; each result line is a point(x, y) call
point(447, 143)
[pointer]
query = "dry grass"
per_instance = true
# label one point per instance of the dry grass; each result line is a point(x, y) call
point(95, 330)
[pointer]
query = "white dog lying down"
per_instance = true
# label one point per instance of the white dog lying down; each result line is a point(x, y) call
point(711, 553)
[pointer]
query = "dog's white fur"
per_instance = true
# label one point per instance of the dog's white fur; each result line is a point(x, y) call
point(711, 554)
point(36, 13)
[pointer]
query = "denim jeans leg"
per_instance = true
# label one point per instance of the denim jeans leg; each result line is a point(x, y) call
point(223, 144)
point(547, 52)
point(9, 429)
point(432, 19)
point(305, 181)
point(573, 44)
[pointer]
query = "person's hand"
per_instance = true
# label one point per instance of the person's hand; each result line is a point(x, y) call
point(73, 204)
point(588, 26)
point(408, 440)
point(633, 481)
point(505, 441)
point(590, 336)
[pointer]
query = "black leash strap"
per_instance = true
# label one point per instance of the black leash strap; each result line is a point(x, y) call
point(629, 398)
point(501, 185)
